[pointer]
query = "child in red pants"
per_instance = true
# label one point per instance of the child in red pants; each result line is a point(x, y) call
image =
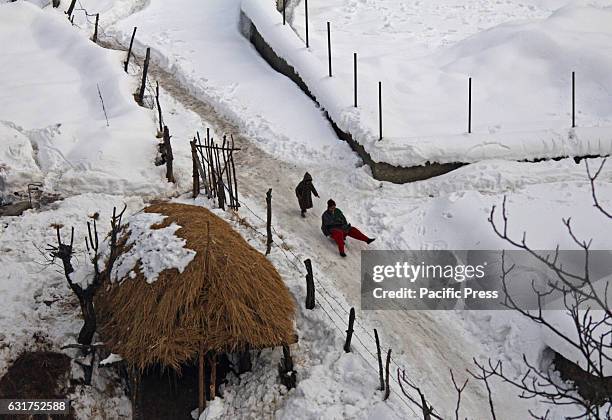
point(334, 224)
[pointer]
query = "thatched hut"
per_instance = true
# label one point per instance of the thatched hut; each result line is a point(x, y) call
point(224, 297)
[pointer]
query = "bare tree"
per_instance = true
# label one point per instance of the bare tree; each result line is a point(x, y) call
point(585, 304)
point(426, 408)
point(459, 390)
point(587, 307)
point(86, 293)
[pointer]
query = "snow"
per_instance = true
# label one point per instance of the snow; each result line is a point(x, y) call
point(214, 410)
point(112, 358)
point(17, 164)
point(152, 250)
point(521, 72)
point(215, 78)
point(57, 106)
point(35, 298)
point(267, 106)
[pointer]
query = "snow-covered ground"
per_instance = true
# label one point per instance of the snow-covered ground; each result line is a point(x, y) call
point(211, 76)
point(56, 88)
point(520, 56)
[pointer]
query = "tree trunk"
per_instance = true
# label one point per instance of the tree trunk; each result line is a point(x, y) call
point(89, 317)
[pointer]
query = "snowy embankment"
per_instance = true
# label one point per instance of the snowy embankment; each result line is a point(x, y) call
point(53, 130)
point(521, 103)
point(58, 89)
point(37, 300)
point(448, 212)
point(219, 66)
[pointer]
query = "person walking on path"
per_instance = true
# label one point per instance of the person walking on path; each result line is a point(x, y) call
point(304, 192)
point(334, 224)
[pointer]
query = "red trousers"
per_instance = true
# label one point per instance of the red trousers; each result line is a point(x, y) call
point(339, 236)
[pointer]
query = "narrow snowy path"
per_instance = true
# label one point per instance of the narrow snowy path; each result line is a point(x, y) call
point(437, 213)
point(425, 341)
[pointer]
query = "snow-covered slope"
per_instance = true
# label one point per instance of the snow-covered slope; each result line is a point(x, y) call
point(214, 72)
point(424, 55)
point(56, 88)
point(18, 166)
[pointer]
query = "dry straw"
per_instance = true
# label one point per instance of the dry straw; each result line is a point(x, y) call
point(239, 302)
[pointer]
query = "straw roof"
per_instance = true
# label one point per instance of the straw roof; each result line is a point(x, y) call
point(239, 301)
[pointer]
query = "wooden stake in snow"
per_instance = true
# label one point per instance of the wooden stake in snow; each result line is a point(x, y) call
point(159, 110)
point(234, 175)
point(220, 186)
point(470, 105)
point(284, 12)
point(145, 69)
point(201, 391)
point(329, 54)
point(573, 99)
point(349, 331)
point(269, 221)
point(310, 288)
point(95, 35)
point(213, 376)
point(380, 116)
point(71, 9)
point(169, 155)
point(387, 388)
point(380, 364)
point(103, 107)
point(127, 60)
point(355, 76)
point(196, 177)
point(286, 372)
point(306, 9)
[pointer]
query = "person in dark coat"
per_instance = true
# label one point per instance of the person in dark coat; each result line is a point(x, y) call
point(304, 192)
point(334, 224)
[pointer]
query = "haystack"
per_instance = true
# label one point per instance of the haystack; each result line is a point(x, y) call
point(237, 302)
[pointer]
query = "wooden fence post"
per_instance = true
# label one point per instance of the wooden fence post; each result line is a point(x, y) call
point(201, 384)
point(287, 374)
point(470, 106)
point(196, 177)
point(310, 288)
point(387, 387)
point(143, 85)
point(212, 170)
point(573, 99)
point(159, 110)
point(380, 363)
point(234, 176)
point(95, 35)
point(355, 76)
point(71, 9)
point(213, 376)
point(169, 155)
point(380, 116)
point(349, 331)
point(127, 60)
point(269, 221)
point(205, 174)
point(329, 52)
point(220, 186)
point(306, 9)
